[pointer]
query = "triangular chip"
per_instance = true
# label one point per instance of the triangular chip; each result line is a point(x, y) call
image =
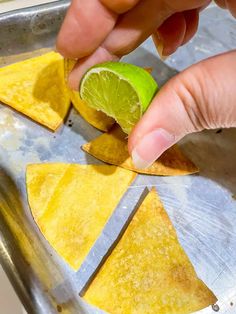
point(112, 148)
point(71, 204)
point(36, 87)
point(148, 271)
point(98, 119)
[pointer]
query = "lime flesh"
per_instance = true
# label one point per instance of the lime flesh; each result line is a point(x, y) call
point(121, 90)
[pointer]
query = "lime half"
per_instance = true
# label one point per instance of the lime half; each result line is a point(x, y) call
point(123, 91)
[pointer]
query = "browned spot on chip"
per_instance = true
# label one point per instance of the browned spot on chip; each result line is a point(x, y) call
point(148, 271)
point(149, 70)
point(112, 148)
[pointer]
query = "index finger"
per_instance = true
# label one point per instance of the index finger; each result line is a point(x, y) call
point(85, 27)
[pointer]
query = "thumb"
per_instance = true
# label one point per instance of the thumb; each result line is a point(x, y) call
point(201, 97)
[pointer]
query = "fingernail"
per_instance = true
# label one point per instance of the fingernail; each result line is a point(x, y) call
point(159, 46)
point(160, 49)
point(150, 147)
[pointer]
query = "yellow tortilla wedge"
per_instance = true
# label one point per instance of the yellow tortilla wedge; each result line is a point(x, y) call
point(112, 148)
point(36, 87)
point(148, 272)
point(71, 204)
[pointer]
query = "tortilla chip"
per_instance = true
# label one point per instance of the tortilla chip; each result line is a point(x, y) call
point(112, 148)
point(71, 203)
point(148, 271)
point(36, 88)
point(98, 119)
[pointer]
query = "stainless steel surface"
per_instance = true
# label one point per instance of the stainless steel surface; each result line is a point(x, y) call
point(10, 5)
point(202, 207)
point(30, 29)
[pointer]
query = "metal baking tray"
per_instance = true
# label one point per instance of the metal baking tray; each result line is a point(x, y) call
point(202, 207)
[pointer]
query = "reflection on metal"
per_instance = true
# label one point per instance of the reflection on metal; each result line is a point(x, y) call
point(30, 29)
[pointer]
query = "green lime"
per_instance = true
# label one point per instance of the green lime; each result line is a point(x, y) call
point(123, 91)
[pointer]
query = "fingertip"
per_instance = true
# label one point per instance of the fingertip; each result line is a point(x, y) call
point(171, 33)
point(82, 65)
point(164, 112)
point(192, 21)
point(85, 27)
point(60, 44)
point(151, 146)
point(159, 45)
point(65, 42)
point(140, 129)
point(64, 48)
point(132, 139)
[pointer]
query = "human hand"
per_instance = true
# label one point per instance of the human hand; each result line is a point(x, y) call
point(102, 30)
point(201, 97)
